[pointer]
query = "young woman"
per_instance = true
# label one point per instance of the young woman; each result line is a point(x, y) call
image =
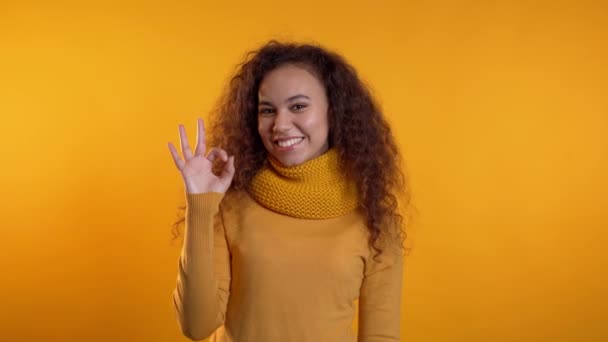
point(293, 213)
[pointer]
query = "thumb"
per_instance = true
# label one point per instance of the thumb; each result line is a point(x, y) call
point(228, 171)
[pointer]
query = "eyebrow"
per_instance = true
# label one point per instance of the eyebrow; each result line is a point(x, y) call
point(289, 99)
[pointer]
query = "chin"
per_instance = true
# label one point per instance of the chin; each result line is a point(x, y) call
point(290, 161)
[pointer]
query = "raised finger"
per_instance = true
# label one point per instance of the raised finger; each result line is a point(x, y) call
point(176, 158)
point(200, 139)
point(187, 153)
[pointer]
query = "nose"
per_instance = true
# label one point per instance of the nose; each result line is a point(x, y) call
point(282, 122)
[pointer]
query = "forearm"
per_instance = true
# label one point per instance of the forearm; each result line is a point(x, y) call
point(195, 296)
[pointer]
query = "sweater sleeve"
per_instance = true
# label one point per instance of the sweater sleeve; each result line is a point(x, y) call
point(380, 299)
point(201, 294)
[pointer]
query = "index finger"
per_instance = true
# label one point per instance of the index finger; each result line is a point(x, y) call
point(201, 147)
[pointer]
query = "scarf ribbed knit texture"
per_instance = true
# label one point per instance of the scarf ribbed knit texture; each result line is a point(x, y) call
point(315, 189)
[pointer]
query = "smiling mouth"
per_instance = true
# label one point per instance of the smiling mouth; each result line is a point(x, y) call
point(289, 143)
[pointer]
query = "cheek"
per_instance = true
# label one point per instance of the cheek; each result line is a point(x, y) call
point(264, 132)
point(318, 125)
point(314, 124)
point(261, 128)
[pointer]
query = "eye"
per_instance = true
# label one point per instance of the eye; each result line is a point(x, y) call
point(265, 111)
point(299, 106)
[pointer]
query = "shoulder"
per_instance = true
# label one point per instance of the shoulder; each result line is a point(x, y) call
point(391, 255)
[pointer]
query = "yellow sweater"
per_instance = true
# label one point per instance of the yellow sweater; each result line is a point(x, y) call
point(249, 274)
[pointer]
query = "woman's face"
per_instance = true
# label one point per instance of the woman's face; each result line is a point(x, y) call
point(292, 115)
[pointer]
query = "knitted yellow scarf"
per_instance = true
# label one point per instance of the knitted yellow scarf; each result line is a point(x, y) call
point(315, 189)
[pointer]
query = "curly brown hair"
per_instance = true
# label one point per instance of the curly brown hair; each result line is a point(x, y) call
point(367, 151)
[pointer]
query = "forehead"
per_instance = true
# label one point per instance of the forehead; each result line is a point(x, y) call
point(288, 80)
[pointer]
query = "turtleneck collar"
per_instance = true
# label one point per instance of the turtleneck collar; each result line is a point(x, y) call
point(315, 189)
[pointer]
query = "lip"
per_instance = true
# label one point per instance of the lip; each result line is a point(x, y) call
point(289, 148)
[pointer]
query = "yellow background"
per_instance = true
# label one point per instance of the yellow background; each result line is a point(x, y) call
point(500, 108)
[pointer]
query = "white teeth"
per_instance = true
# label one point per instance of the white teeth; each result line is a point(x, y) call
point(289, 142)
